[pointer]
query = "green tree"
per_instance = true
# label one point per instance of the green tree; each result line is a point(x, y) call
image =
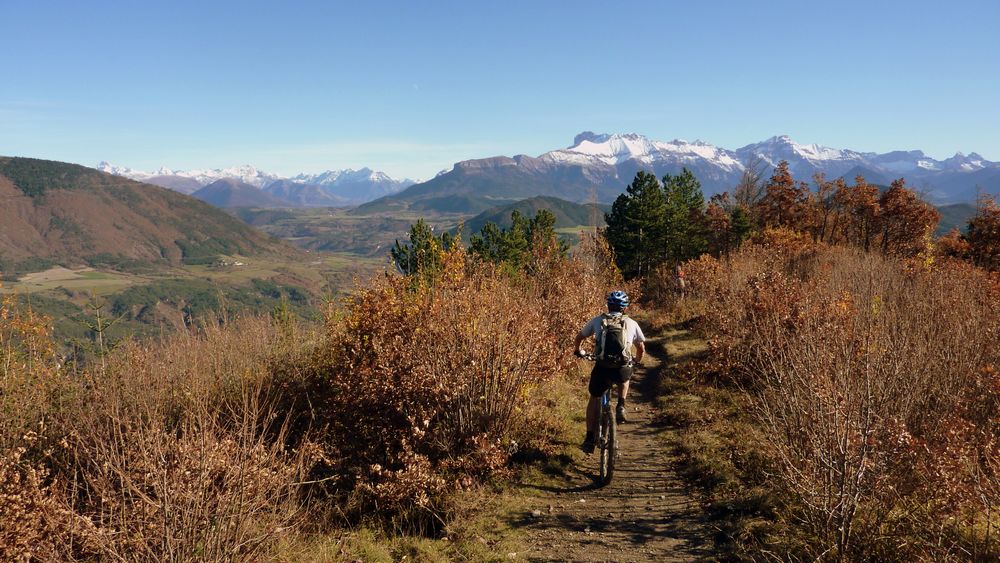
point(685, 231)
point(636, 226)
point(514, 247)
point(740, 226)
point(423, 254)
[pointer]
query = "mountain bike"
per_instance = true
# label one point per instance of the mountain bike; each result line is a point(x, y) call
point(607, 434)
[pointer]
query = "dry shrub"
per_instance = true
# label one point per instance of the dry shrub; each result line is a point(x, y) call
point(201, 446)
point(200, 490)
point(35, 521)
point(181, 454)
point(32, 387)
point(32, 391)
point(173, 451)
point(424, 387)
point(875, 382)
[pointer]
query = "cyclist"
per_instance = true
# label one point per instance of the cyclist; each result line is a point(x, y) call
point(610, 371)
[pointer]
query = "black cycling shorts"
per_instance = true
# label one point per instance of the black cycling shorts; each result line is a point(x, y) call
point(602, 378)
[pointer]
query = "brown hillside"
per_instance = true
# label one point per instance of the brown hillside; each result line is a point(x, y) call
point(68, 213)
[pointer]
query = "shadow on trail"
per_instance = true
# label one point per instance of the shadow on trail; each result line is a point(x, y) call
point(674, 335)
point(595, 485)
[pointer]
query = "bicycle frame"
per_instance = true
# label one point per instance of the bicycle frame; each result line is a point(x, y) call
point(607, 439)
point(607, 434)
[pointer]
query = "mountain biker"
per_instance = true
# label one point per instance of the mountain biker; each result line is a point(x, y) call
point(610, 371)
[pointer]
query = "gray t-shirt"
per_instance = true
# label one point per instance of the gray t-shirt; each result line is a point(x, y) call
point(633, 333)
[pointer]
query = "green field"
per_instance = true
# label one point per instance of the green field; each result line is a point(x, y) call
point(337, 231)
point(170, 297)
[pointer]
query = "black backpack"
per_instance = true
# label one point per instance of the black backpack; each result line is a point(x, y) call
point(613, 351)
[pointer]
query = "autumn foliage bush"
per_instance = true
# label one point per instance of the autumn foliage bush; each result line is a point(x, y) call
point(425, 386)
point(876, 383)
point(216, 443)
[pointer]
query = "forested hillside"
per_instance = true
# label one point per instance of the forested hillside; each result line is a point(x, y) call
point(55, 212)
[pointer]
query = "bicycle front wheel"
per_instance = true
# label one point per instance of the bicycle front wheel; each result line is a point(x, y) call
point(612, 448)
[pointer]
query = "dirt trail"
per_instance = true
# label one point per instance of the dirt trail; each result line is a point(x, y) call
point(645, 514)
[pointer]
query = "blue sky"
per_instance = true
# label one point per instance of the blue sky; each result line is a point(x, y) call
point(411, 87)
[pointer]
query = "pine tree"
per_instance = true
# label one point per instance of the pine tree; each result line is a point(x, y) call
point(514, 248)
point(636, 226)
point(423, 254)
point(685, 229)
point(542, 231)
point(740, 226)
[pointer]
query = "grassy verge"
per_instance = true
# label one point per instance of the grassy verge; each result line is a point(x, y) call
point(481, 525)
point(719, 456)
point(718, 448)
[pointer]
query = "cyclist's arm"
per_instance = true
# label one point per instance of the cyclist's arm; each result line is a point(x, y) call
point(588, 330)
point(640, 350)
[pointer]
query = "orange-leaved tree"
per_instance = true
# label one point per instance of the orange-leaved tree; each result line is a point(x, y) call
point(984, 234)
point(904, 220)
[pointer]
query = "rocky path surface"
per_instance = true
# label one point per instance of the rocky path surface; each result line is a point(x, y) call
point(645, 514)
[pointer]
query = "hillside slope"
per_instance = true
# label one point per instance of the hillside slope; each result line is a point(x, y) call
point(567, 213)
point(230, 192)
point(72, 214)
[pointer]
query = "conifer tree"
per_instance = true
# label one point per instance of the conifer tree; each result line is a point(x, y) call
point(514, 247)
point(685, 231)
point(636, 226)
point(740, 226)
point(423, 254)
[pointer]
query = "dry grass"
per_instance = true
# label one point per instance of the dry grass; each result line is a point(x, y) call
point(171, 452)
point(249, 439)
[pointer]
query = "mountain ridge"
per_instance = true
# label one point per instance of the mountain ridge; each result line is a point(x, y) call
point(347, 186)
point(599, 166)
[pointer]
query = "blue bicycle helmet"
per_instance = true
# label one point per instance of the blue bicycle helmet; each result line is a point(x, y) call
point(618, 300)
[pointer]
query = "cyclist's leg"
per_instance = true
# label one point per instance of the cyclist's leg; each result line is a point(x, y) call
point(623, 378)
point(623, 390)
point(593, 411)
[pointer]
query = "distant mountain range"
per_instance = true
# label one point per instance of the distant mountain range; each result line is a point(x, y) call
point(77, 215)
point(330, 188)
point(599, 166)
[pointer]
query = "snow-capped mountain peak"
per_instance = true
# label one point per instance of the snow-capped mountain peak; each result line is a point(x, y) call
point(109, 168)
point(348, 175)
point(246, 173)
point(783, 147)
point(614, 149)
point(347, 185)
